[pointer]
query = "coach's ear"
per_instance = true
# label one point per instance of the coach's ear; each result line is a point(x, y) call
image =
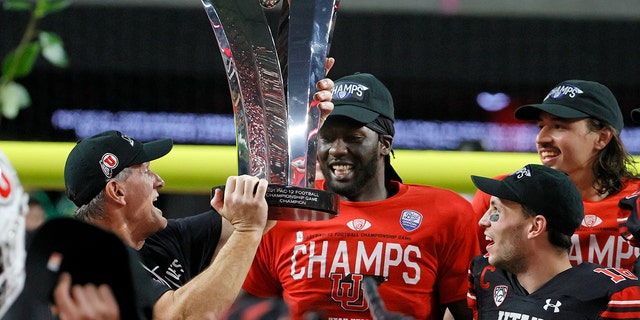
point(115, 191)
point(537, 227)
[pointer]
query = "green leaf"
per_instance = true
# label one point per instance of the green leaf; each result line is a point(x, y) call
point(13, 97)
point(45, 7)
point(17, 5)
point(53, 49)
point(57, 5)
point(20, 61)
point(41, 9)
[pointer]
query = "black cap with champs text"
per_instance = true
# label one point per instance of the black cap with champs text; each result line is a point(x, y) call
point(546, 191)
point(361, 97)
point(572, 99)
point(365, 99)
point(95, 160)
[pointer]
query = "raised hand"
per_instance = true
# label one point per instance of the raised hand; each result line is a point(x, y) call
point(243, 203)
point(79, 302)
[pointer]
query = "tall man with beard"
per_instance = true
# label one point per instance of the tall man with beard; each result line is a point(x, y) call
point(416, 240)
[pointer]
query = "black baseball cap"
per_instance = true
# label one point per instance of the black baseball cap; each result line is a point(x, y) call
point(95, 160)
point(90, 255)
point(546, 191)
point(361, 97)
point(635, 115)
point(573, 99)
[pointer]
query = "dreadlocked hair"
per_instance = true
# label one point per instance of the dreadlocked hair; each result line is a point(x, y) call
point(385, 129)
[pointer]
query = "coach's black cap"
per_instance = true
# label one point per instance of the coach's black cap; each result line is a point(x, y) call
point(546, 191)
point(361, 97)
point(90, 255)
point(95, 160)
point(573, 99)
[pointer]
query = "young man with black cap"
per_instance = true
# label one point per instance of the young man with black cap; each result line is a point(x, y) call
point(579, 133)
point(415, 240)
point(526, 273)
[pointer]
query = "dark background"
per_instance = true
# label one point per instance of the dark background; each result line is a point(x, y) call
point(166, 59)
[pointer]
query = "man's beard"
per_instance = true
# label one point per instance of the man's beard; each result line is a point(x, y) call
point(356, 186)
point(513, 259)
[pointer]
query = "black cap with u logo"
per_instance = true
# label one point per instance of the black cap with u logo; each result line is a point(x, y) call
point(95, 160)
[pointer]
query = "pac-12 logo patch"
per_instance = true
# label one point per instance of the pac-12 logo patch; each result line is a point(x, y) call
point(359, 224)
point(499, 294)
point(410, 219)
point(591, 220)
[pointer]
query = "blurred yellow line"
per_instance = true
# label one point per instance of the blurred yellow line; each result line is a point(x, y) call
point(197, 168)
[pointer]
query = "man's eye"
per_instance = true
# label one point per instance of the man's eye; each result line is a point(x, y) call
point(494, 217)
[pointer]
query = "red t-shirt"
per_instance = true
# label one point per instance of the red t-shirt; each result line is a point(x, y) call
point(597, 240)
point(421, 240)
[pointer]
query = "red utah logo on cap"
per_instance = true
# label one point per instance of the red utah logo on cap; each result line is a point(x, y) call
point(108, 162)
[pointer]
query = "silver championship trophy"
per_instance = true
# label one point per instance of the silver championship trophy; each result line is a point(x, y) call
point(276, 135)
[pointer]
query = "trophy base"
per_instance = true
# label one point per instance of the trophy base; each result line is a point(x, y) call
point(295, 203)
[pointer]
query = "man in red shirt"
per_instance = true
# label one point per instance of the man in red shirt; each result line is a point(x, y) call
point(415, 240)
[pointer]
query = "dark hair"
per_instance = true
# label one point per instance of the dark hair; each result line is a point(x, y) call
point(559, 239)
point(555, 237)
point(385, 129)
point(613, 163)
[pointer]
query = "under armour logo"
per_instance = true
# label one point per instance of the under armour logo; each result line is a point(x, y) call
point(556, 306)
